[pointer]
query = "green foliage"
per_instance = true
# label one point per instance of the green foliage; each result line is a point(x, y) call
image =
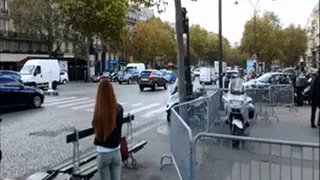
point(95, 18)
point(204, 45)
point(273, 42)
point(294, 44)
point(153, 40)
point(39, 17)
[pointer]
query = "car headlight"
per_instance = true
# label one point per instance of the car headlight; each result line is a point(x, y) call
point(236, 102)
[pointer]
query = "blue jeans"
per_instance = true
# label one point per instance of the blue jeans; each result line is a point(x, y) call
point(109, 165)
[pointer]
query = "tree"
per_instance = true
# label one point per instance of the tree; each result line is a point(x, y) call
point(268, 37)
point(294, 44)
point(198, 42)
point(153, 40)
point(235, 57)
point(39, 17)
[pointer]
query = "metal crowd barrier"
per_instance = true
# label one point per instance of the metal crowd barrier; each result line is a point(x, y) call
point(198, 154)
point(254, 159)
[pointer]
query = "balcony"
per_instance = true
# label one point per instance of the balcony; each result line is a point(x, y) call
point(4, 13)
point(21, 36)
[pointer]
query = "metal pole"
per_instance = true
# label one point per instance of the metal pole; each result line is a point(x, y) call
point(319, 35)
point(255, 36)
point(220, 44)
point(189, 86)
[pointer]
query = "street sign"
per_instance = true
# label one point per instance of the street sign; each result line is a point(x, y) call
point(254, 57)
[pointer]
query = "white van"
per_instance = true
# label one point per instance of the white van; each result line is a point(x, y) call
point(205, 75)
point(40, 72)
point(139, 66)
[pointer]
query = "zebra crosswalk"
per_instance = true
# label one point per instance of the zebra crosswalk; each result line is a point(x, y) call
point(75, 103)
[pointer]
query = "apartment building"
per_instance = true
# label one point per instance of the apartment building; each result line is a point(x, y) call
point(312, 29)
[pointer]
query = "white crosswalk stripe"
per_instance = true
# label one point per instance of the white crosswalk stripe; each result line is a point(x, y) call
point(64, 102)
point(83, 106)
point(86, 104)
point(51, 100)
point(155, 112)
point(76, 103)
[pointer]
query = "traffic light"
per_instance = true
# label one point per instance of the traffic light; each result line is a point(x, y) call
point(185, 21)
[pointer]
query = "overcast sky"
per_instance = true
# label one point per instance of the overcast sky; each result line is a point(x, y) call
point(205, 13)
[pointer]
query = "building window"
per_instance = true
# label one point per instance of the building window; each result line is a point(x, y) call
point(35, 47)
point(3, 45)
point(24, 46)
point(13, 46)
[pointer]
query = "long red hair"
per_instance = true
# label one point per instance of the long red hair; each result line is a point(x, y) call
point(105, 112)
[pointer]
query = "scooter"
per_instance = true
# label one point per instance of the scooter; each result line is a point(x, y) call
point(174, 98)
point(239, 108)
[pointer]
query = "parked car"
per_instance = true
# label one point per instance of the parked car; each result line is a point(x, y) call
point(114, 76)
point(64, 77)
point(13, 74)
point(230, 74)
point(104, 75)
point(14, 93)
point(267, 79)
point(170, 77)
point(196, 72)
point(152, 79)
point(129, 76)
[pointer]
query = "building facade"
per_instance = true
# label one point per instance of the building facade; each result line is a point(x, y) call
point(312, 29)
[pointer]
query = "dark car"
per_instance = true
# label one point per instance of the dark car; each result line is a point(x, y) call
point(129, 76)
point(13, 74)
point(230, 74)
point(115, 75)
point(152, 79)
point(13, 93)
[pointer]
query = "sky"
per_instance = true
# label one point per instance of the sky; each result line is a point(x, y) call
point(234, 17)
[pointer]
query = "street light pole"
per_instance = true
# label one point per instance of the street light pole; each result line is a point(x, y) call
point(220, 44)
point(319, 35)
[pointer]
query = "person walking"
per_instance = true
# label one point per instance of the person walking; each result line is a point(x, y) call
point(107, 125)
point(315, 99)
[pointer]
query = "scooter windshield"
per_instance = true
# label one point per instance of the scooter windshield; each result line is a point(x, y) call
point(236, 86)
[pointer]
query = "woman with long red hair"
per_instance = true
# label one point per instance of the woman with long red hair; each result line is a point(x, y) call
point(107, 125)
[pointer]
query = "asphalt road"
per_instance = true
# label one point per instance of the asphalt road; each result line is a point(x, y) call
point(34, 139)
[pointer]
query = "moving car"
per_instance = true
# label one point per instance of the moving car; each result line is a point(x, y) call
point(104, 75)
point(40, 72)
point(230, 74)
point(13, 74)
point(129, 76)
point(170, 76)
point(267, 79)
point(114, 76)
point(64, 77)
point(152, 79)
point(14, 93)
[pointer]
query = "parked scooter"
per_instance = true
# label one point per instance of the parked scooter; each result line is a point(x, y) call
point(239, 107)
point(174, 98)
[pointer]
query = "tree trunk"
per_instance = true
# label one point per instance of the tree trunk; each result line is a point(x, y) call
point(181, 53)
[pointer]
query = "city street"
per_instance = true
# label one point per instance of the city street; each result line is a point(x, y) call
point(34, 139)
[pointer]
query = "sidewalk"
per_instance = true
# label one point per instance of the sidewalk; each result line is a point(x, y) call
point(148, 158)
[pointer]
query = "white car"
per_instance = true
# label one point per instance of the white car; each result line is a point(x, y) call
point(196, 72)
point(263, 81)
point(64, 78)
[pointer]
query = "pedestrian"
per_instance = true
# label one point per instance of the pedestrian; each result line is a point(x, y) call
point(315, 99)
point(107, 125)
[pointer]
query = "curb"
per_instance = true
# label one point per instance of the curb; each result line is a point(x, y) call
point(54, 93)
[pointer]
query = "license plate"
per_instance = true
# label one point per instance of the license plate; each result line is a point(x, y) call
point(144, 79)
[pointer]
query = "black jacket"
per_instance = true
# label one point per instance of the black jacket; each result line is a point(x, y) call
point(315, 91)
point(113, 140)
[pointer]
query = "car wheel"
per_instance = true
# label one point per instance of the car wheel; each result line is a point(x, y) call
point(54, 85)
point(165, 85)
point(141, 88)
point(120, 82)
point(65, 81)
point(36, 102)
point(129, 81)
point(155, 87)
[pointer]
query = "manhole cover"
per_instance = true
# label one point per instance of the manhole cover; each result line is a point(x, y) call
point(163, 130)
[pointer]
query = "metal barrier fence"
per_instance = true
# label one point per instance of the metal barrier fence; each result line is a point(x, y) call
point(254, 159)
point(197, 154)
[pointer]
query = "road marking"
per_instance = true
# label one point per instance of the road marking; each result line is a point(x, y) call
point(58, 99)
point(143, 108)
point(76, 103)
point(152, 113)
point(64, 102)
point(84, 106)
point(136, 105)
